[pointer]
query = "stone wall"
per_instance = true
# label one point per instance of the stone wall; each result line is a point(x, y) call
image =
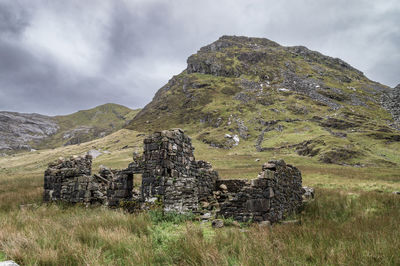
point(120, 185)
point(172, 175)
point(70, 180)
point(207, 179)
point(276, 193)
point(177, 182)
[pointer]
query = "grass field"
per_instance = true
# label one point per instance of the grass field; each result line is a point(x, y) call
point(354, 219)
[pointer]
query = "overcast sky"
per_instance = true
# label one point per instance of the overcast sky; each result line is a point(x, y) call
point(60, 56)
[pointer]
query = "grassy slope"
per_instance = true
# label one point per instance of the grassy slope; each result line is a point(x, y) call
point(208, 104)
point(212, 102)
point(354, 219)
point(105, 118)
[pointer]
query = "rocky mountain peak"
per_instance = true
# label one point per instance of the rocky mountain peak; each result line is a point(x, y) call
point(233, 56)
point(227, 41)
point(239, 89)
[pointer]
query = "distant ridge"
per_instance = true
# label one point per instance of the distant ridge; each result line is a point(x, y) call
point(22, 132)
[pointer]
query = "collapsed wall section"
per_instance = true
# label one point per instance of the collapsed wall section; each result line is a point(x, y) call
point(275, 194)
point(70, 180)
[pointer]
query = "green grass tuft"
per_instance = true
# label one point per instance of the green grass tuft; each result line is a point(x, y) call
point(2, 256)
point(159, 216)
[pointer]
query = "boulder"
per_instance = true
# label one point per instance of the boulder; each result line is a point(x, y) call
point(217, 223)
point(308, 194)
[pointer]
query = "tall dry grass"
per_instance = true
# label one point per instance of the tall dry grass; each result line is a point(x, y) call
point(349, 223)
point(338, 228)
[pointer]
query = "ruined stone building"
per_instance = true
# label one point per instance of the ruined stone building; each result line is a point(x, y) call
point(174, 179)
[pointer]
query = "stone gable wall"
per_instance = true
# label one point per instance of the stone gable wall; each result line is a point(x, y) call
point(171, 173)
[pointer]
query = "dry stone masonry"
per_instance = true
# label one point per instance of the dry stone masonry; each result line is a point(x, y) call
point(173, 179)
point(172, 174)
point(70, 180)
point(274, 194)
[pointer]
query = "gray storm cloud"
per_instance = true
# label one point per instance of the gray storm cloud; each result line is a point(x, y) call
point(57, 57)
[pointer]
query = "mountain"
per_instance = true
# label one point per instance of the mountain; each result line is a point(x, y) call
point(253, 92)
point(21, 132)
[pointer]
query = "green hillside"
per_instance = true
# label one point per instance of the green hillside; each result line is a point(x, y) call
point(277, 98)
point(86, 125)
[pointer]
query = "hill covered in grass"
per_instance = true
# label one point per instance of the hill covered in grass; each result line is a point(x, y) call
point(21, 132)
point(257, 93)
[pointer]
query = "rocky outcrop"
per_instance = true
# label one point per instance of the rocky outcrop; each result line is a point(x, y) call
point(233, 56)
point(18, 130)
point(26, 132)
point(204, 63)
point(80, 134)
point(391, 102)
